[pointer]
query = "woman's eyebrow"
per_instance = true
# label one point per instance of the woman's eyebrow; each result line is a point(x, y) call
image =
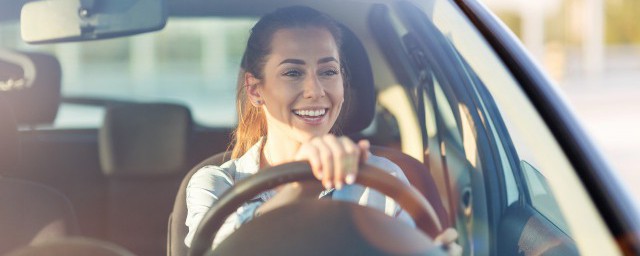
point(292, 61)
point(301, 62)
point(327, 59)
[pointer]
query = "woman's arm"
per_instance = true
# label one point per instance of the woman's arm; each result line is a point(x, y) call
point(203, 190)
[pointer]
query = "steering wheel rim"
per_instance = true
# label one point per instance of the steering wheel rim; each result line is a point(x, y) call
point(406, 196)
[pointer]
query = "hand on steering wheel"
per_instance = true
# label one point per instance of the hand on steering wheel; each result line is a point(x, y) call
point(406, 196)
point(334, 160)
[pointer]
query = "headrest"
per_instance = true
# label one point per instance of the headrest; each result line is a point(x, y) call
point(144, 140)
point(9, 142)
point(31, 82)
point(360, 99)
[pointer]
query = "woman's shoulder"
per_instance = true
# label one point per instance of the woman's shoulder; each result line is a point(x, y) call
point(212, 174)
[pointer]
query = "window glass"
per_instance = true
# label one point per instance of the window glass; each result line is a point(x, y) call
point(541, 196)
point(448, 117)
point(528, 132)
point(509, 176)
point(192, 61)
point(455, 164)
point(508, 173)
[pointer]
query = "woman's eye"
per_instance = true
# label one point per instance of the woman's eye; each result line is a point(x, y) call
point(331, 72)
point(292, 73)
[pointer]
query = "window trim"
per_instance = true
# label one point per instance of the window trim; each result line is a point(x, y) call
point(603, 189)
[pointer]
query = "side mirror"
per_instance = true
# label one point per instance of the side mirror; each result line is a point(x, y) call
point(50, 21)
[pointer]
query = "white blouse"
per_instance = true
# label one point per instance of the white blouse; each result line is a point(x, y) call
point(210, 182)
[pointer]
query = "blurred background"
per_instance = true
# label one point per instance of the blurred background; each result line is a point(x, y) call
point(591, 49)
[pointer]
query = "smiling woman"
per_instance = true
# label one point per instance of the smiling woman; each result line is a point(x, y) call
point(295, 88)
point(293, 91)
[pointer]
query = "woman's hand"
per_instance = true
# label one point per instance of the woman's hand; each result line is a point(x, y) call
point(447, 239)
point(334, 160)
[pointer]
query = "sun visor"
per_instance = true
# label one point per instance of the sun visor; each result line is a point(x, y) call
point(31, 84)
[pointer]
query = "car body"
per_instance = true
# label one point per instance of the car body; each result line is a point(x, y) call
point(455, 90)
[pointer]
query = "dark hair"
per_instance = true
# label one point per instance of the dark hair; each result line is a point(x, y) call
point(259, 43)
point(251, 120)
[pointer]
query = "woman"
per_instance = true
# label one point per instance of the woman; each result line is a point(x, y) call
point(292, 93)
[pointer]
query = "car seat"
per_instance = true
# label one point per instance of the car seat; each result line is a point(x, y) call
point(30, 213)
point(76, 246)
point(143, 154)
point(64, 159)
point(36, 81)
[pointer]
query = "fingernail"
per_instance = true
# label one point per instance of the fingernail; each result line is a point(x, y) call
point(350, 178)
point(328, 185)
point(339, 185)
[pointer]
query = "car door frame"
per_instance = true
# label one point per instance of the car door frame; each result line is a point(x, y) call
point(616, 207)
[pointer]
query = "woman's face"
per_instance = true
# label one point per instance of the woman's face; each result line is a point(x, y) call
point(302, 89)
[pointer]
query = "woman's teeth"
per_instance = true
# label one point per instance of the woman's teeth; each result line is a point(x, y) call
point(312, 113)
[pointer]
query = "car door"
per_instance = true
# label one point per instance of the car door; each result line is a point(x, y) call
point(515, 192)
point(530, 221)
point(497, 188)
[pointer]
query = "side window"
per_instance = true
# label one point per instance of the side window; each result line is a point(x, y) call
point(508, 160)
point(458, 165)
point(537, 189)
point(451, 149)
point(541, 196)
point(509, 175)
point(448, 117)
point(480, 124)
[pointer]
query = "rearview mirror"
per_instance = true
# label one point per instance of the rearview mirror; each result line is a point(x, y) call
point(79, 20)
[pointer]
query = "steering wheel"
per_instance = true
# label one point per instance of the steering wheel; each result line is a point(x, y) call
point(406, 196)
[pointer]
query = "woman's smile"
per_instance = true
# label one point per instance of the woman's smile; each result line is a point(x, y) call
point(311, 116)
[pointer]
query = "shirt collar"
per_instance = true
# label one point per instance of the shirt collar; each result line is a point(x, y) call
point(249, 163)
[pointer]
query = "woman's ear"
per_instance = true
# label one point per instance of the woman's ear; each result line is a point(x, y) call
point(253, 91)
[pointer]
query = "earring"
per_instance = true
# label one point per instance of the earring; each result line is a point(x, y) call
point(258, 102)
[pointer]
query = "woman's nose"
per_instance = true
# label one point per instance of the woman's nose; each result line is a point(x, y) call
point(313, 88)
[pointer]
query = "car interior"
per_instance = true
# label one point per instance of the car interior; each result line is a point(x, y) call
point(356, 116)
point(142, 151)
point(118, 187)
